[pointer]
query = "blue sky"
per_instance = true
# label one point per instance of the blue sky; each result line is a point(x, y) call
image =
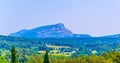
point(94, 17)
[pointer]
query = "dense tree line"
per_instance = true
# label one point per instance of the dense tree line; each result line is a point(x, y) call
point(83, 45)
point(106, 57)
point(25, 50)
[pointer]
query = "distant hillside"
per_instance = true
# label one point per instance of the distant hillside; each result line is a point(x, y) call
point(86, 45)
point(49, 31)
point(113, 36)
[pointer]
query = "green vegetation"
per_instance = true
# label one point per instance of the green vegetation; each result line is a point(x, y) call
point(106, 57)
point(3, 59)
point(13, 55)
point(46, 57)
point(59, 46)
point(67, 50)
point(36, 58)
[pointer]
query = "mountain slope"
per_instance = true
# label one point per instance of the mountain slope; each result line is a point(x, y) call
point(113, 36)
point(49, 31)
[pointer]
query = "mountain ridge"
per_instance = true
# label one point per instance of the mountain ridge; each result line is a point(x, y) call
point(48, 31)
point(112, 36)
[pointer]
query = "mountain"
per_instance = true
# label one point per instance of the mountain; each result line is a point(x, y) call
point(112, 36)
point(48, 31)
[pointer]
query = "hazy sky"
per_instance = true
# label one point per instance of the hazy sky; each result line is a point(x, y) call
point(94, 17)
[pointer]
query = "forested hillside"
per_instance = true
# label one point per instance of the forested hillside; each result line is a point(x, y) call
point(74, 46)
point(61, 50)
point(16, 57)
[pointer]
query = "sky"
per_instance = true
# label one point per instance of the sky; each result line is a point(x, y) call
point(93, 17)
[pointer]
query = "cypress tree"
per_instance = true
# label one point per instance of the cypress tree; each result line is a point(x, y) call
point(46, 57)
point(13, 55)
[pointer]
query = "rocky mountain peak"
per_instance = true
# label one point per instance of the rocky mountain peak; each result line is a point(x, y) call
point(48, 31)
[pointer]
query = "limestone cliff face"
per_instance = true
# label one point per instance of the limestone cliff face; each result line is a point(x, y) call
point(48, 31)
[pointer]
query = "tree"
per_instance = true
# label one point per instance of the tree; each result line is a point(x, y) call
point(13, 55)
point(3, 59)
point(46, 58)
point(35, 58)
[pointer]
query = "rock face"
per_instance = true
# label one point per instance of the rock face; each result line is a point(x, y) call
point(49, 31)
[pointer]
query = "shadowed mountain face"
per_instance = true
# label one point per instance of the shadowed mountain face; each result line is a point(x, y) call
point(49, 31)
